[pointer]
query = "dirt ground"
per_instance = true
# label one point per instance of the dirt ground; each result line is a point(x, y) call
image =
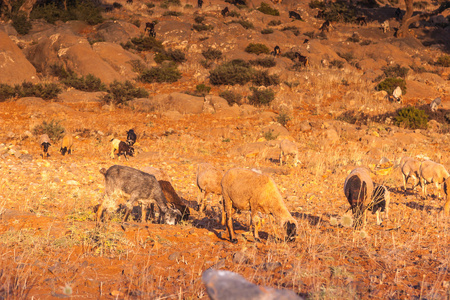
point(51, 247)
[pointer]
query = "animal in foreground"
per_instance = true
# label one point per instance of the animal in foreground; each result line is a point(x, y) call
point(381, 198)
point(432, 172)
point(44, 141)
point(66, 144)
point(131, 137)
point(358, 188)
point(141, 187)
point(248, 190)
point(208, 182)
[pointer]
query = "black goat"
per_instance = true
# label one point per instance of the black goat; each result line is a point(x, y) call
point(129, 1)
point(294, 15)
point(225, 12)
point(199, 3)
point(131, 137)
point(325, 26)
point(276, 51)
point(150, 27)
point(303, 60)
point(361, 21)
point(398, 14)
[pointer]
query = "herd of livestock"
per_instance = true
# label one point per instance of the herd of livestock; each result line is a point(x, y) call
point(242, 189)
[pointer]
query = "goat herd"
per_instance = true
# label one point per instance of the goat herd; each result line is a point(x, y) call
point(242, 189)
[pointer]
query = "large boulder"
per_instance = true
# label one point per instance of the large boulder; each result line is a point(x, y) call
point(14, 66)
point(116, 32)
point(185, 104)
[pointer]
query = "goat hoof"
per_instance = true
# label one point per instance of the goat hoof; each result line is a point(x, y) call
point(234, 241)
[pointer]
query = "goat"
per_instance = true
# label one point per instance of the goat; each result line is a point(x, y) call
point(288, 148)
point(248, 190)
point(447, 194)
point(410, 169)
point(131, 137)
point(129, 1)
point(435, 104)
point(125, 149)
point(150, 27)
point(361, 21)
point(276, 51)
point(432, 172)
point(358, 188)
point(326, 26)
point(294, 15)
point(208, 181)
point(225, 12)
point(303, 60)
point(66, 144)
point(44, 141)
point(397, 94)
point(385, 26)
point(143, 188)
point(199, 3)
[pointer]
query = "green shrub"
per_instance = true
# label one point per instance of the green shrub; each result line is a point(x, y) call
point(172, 13)
point(144, 44)
point(261, 96)
point(339, 11)
point(121, 93)
point(257, 49)
point(21, 23)
point(168, 72)
point(45, 91)
point(85, 11)
point(199, 19)
point(443, 61)
point(202, 27)
point(231, 97)
point(267, 31)
point(212, 54)
point(266, 62)
point(168, 3)
point(336, 63)
point(53, 129)
point(6, 92)
point(317, 4)
point(395, 71)
point(269, 135)
point(266, 9)
point(411, 117)
point(202, 89)
point(245, 24)
point(310, 34)
point(293, 29)
point(283, 118)
point(389, 85)
point(264, 78)
point(172, 55)
point(290, 55)
point(88, 83)
point(231, 73)
point(274, 23)
point(348, 56)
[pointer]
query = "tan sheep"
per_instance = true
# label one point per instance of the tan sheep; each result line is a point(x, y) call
point(288, 148)
point(432, 172)
point(208, 182)
point(248, 190)
point(410, 169)
point(358, 188)
point(45, 142)
point(66, 144)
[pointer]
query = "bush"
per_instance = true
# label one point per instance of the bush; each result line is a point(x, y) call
point(199, 19)
point(245, 24)
point(266, 62)
point(261, 97)
point(168, 3)
point(354, 38)
point(348, 56)
point(264, 78)
point(231, 97)
point(21, 23)
point(395, 71)
point(168, 72)
point(443, 61)
point(53, 129)
point(234, 14)
point(85, 11)
point(309, 34)
point(336, 63)
point(389, 85)
point(88, 83)
point(172, 13)
point(294, 30)
point(231, 73)
point(274, 23)
point(150, 5)
point(121, 93)
point(283, 118)
point(317, 4)
point(266, 9)
point(171, 55)
point(257, 49)
point(267, 31)
point(45, 91)
point(202, 89)
point(411, 117)
point(290, 55)
point(144, 44)
point(212, 54)
point(202, 27)
point(6, 92)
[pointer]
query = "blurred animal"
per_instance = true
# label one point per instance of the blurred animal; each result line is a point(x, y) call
point(398, 14)
point(361, 21)
point(131, 137)
point(410, 169)
point(397, 94)
point(288, 148)
point(125, 149)
point(432, 172)
point(199, 3)
point(380, 201)
point(150, 27)
point(326, 26)
point(303, 60)
point(225, 12)
point(294, 15)
point(66, 144)
point(276, 51)
point(385, 26)
point(44, 141)
point(435, 104)
point(358, 188)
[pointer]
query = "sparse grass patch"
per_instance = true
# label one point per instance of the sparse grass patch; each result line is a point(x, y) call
point(257, 48)
point(231, 97)
point(412, 118)
point(266, 62)
point(202, 89)
point(147, 43)
point(389, 85)
point(6, 92)
point(172, 13)
point(268, 10)
point(339, 11)
point(261, 96)
point(234, 14)
point(199, 19)
point(294, 30)
point(270, 136)
point(354, 38)
point(176, 56)
point(274, 23)
point(88, 83)
point(263, 78)
point(395, 71)
point(53, 129)
point(317, 4)
point(348, 56)
point(21, 23)
point(336, 63)
point(212, 54)
point(283, 118)
point(245, 24)
point(202, 27)
point(85, 11)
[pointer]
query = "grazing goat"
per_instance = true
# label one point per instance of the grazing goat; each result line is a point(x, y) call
point(410, 169)
point(303, 60)
point(361, 21)
point(208, 181)
point(294, 15)
point(199, 3)
point(142, 188)
point(225, 12)
point(248, 190)
point(435, 104)
point(124, 149)
point(432, 172)
point(358, 188)
point(397, 94)
point(131, 137)
point(44, 141)
point(276, 51)
point(385, 26)
point(150, 27)
point(66, 144)
point(326, 26)
point(381, 199)
point(288, 148)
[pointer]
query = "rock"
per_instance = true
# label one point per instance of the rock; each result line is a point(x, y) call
point(73, 96)
point(14, 66)
point(275, 130)
point(217, 102)
point(226, 285)
point(174, 256)
point(185, 104)
point(305, 126)
point(240, 258)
